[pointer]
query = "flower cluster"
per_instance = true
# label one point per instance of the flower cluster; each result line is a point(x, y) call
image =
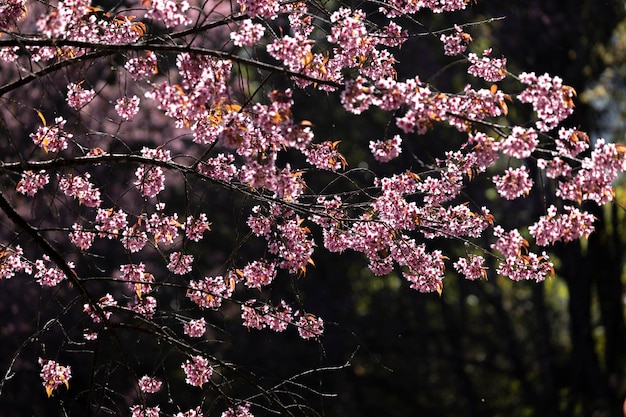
point(239, 411)
point(78, 97)
point(149, 385)
point(248, 33)
point(276, 318)
point(456, 43)
point(197, 371)
point(515, 182)
point(489, 69)
point(32, 182)
point(195, 328)
point(52, 138)
point(80, 188)
point(385, 151)
point(49, 276)
point(571, 225)
point(54, 375)
point(550, 98)
point(12, 262)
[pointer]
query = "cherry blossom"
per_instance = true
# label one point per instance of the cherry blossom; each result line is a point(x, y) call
point(195, 328)
point(239, 411)
point(515, 182)
point(248, 33)
point(127, 107)
point(49, 276)
point(149, 385)
point(197, 371)
point(32, 182)
point(141, 411)
point(54, 375)
point(78, 97)
point(385, 151)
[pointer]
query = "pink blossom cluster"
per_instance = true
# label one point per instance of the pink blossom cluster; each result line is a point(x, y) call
point(104, 303)
point(109, 222)
point(52, 138)
point(141, 68)
point(80, 188)
point(194, 412)
point(81, 238)
point(568, 226)
point(471, 267)
point(326, 156)
point(75, 20)
point(195, 227)
point(520, 143)
point(142, 411)
point(78, 97)
point(168, 12)
point(456, 43)
point(54, 375)
point(220, 167)
point(197, 371)
point(258, 274)
point(31, 182)
point(309, 326)
point(12, 262)
point(195, 328)
point(248, 33)
point(127, 107)
point(489, 69)
point(239, 411)
point(276, 318)
point(49, 276)
point(144, 306)
point(210, 292)
point(180, 264)
point(149, 384)
point(163, 228)
point(11, 11)
point(138, 279)
point(550, 98)
point(515, 182)
point(594, 179)
point(134, 238)
point(386, 150)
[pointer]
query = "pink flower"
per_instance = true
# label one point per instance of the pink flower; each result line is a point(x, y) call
point(141, 411)
point(77, 97)
point(489, 69)
point(11, 11)
point(180, 264)
point(81, 238)
point(520, 143)
point(194, 412)
point(197, 371)
point(52, 138)
point(310, 326)
point(195, 328)
point(239, 411)
point(571, 225)
point(149, 385)
point(127, 107)
point(54, 375)
point(514, 183)
point(195, 228)
point(471, 267)
point(49, 276)
point(456, 43)
point(32, 182)
point(248, 33)
point(385, 151)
